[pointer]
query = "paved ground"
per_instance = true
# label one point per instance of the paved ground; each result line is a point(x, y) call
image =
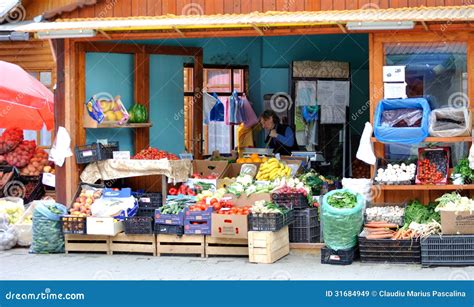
point(18, 264)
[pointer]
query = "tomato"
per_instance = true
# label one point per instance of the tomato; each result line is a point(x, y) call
point(213, 201)
point(217, 206)
point(203, 207)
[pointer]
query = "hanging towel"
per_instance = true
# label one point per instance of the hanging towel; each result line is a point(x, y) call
point(310, 113)
point(335, 114)
point(208, 102)
point(305, 93)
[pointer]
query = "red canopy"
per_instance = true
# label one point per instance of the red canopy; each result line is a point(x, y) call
point(24, 101)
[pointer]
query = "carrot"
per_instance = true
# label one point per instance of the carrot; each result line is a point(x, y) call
point(381, 225)
point(380, 231)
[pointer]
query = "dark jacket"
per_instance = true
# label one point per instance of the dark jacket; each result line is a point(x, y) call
point(279, 147)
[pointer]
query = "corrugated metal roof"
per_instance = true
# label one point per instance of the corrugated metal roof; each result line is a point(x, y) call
point(268, 19)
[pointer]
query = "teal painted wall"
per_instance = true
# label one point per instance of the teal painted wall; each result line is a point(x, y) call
point(167, 102)
point(268, 59)
point(110, 74)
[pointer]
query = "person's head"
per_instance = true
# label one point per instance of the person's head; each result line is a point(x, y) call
point(269, 119)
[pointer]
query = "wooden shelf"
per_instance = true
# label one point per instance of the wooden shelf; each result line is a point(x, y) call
point(432, 139)
point(422, 187)
point(113, 125)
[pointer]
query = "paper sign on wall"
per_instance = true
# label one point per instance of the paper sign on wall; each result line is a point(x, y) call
point(333, 93)
point(395, 90)
point(394, 74)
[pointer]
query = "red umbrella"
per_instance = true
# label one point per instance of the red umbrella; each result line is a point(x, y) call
point(24, 101)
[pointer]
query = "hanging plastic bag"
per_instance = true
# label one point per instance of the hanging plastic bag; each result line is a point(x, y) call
point(365, 152)
point(342, 226)
point(47, 232)
point(449, 122)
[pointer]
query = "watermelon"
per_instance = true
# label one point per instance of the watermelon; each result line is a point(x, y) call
point(138, 114)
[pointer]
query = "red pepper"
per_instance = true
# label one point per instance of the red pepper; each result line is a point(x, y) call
point(173, 191)
point(191, 192)
point(183, 189)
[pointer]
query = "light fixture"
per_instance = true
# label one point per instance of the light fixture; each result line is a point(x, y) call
point(14, 36)
point(382, 25)
point(66, 34)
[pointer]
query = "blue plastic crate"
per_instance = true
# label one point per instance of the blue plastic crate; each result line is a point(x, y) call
point(194, 216)
point(169, 219)
point(197, 227)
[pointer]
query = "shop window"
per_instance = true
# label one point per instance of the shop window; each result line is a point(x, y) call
point(221, 80)
point(43, 137)
point(436, 71)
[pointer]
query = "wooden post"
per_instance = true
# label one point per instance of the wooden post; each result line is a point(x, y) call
point(60, 115)
point(142, 96)
point(197, 104)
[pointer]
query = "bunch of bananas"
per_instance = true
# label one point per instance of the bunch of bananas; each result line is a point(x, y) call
point(273, 169)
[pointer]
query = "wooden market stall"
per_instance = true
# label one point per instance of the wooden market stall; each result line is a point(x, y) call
point(112, 27)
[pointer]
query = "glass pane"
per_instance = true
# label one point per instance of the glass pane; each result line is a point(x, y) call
point(437, 71)
point(30, 135)
point(46, 137)
point(217, 80)
point(45, 78)
point(188, 79)
point(239, 84)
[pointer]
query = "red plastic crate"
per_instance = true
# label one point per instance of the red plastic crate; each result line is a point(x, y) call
point(442, 165)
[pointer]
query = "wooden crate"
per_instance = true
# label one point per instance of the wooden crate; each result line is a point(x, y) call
point(133, 244)
point(226, 247)
point(180, 245)
point(75, 243)
point(268, 246)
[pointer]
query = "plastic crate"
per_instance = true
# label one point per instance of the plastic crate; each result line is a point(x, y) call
point(291, 200)
point(447, 250)
point(169, 219)
point(95, 152)
point(387, 217)
point(197, 227)
point(169, 229)
point(74, 224)
point(150, 200)
point(340, 257)
point(269, 221)
point(138, 225)
point(306, 218)
point(5, 183)
point(305, 234)
point(388, 250)
point(146, 211)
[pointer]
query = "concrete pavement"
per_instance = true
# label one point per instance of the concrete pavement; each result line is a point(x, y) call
point(17, 264)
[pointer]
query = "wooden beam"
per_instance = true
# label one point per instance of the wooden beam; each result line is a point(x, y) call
point(142, 96)
point(59, 115)
point(197, 105)
point(343, 29)
point(258, 30)
point(425, 26)
point(179, 32)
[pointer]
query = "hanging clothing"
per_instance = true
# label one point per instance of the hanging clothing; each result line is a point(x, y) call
point(217, 112)
point(244, 137)
point(333, 114)
point(208, 102)
point(305, 93)
point(250, 118)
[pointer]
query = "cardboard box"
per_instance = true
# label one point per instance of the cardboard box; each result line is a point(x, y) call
point(461, 222)
point(206, 168)
point(245, 200)
point(228, 177)
point(169, 219)
point(106, 226)
point(229, 226)
point(197, 227)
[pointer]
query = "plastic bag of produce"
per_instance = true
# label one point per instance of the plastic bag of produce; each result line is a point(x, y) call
point(397, 120)
point(342, 218)
point(448, 122)
point(8, 236)
point(13, 208)
point(111, 206)
point(47, 232)
point(24, 227)
point(361, 186)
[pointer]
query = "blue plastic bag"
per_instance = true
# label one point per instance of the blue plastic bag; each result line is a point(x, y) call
point(402, 135)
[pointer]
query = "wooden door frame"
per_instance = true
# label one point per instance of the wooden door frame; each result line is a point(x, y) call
point(71, 91)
